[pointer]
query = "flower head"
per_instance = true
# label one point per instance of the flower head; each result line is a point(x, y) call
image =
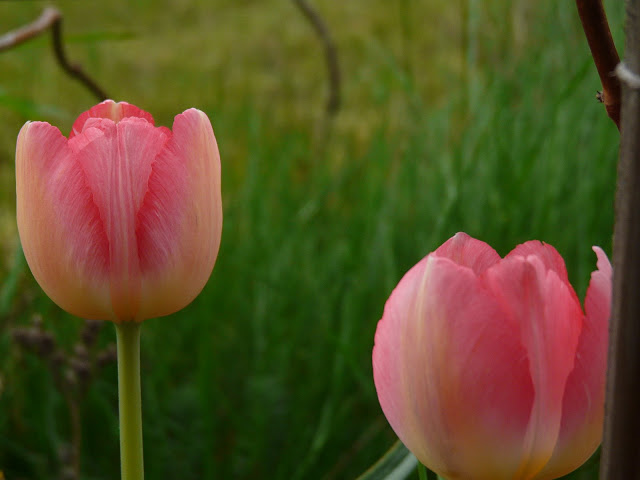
point(487, 368)
point(122, 220)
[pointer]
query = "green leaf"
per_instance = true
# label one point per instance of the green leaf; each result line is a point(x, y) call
point(397, 464)
point(30, 109)
point(8, 288)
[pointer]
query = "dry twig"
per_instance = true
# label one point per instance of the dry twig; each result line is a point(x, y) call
point(331, 53)
point(51, 18)
point(603, 50)
point(72, 373)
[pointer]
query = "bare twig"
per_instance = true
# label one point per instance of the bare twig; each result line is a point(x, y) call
point(73, 373)
point(603, 50)
point(620, 459)
point(51, 18)
point(331, 53)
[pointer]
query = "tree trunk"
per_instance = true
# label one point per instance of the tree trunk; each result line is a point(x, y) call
point(621, 448)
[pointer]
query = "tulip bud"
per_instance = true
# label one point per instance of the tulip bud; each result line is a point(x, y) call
point(122, 220)
point(488, 369)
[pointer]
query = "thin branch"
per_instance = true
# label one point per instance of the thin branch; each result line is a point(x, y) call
point(32, 30)
point(620, 459)
point(331, 53)
point(603, 50)
point(51, 18)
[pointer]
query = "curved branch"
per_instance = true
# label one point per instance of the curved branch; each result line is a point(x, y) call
point(51, 18)
point(331, 53)
point(604, 53)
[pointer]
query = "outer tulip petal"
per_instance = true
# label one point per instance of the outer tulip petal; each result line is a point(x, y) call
point(583, 404)
point(469, 252)
point(60, 228)
point(178, 247)
point(436, 356)
point(389, 367)
point(550, 322)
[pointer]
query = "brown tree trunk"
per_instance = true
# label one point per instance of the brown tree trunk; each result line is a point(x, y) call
point(621, 447)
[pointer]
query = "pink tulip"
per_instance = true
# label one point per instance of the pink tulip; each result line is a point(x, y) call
point(122, 220)
point(487, 368)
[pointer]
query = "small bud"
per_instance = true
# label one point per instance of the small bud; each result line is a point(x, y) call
point(46, 344)
point(81, 352)
point(70, 377)
point(65, 454)
point(36, 321)
point(81, 369)
point(107, 356)
point(90, 332)
point(67, 473)
point(58, 359)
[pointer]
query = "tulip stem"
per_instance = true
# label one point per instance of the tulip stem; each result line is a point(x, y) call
point(129, 397)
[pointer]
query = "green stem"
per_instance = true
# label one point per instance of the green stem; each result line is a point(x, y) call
point(131, 463)
point(422, 472)
point(426, 474)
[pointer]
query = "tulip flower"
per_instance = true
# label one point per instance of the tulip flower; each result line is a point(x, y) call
point(122, 220)
point(488, 369)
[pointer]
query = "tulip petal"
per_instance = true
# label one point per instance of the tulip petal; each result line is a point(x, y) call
point(550, 323)
point(549, 256)
point(179, 224)
point(583, 404)
point(117, 160)
point(60, 227)
point(469, 252)
point(440, 365)
point(111, 110)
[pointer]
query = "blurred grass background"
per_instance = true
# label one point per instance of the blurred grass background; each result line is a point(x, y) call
point(456, 116)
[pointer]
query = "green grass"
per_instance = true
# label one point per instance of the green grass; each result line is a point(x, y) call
point(456, 118)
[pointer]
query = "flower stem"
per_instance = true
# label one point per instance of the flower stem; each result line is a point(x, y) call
point(130, 410)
